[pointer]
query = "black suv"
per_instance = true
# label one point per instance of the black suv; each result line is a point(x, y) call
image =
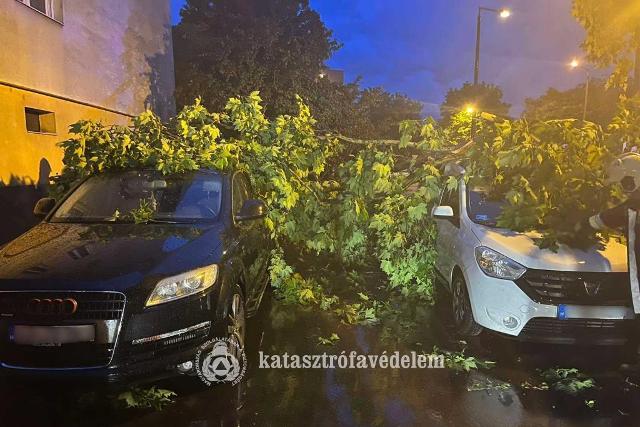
point(91, 292)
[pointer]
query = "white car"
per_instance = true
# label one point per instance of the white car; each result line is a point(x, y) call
point(500, 280)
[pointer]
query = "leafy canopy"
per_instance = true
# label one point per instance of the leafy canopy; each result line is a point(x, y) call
point(326, 195)
point(612, 37)
point(484, 97)
point(223, 48)
point(554, 104)
point(368, 202)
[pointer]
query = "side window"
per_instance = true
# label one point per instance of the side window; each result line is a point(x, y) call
point(40, 121)
point(240, 192)
point(247, 184)
point(452, 198)
point(50, 8)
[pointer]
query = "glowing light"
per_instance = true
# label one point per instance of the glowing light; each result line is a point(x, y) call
point(505, 13)
point(470, 109)
point(574, 63)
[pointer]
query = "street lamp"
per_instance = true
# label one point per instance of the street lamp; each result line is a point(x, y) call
point(575, 64)
point(503, 14)
point(471, 110)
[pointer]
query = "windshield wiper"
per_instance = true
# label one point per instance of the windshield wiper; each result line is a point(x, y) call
point(81, 220)
point(160, 221)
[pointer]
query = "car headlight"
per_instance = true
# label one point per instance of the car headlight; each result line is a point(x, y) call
point(183, 285)
point(496, 265)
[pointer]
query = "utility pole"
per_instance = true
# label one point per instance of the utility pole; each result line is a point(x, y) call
point(476, 68)
point(586, 97)
point(575, 64)
point(503, 14)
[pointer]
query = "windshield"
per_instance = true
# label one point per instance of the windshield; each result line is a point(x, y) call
point(129, 196)
point(482, 209)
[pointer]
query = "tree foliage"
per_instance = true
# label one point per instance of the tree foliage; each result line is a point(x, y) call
point(371, 113)
point(484, 97)
point(225, 48)
point(602, 106)
point(381, 111)
point(612, 36)
point(368, 202)
point(550, 173)
point(342, 197)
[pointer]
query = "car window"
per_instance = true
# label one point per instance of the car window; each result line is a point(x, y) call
point(452, 198)
point(115, 197)
point(484, 209)
point(241, 192)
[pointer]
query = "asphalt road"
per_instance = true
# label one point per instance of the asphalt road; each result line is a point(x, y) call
point(361, 397)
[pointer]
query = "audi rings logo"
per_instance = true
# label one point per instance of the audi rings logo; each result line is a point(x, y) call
point(220, 361)
point(52, 306)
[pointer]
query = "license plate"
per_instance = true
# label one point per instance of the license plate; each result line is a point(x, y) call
point(51, 336)
point(566, 311)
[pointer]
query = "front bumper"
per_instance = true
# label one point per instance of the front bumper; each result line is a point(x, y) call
point(142, 344)
point(501, 306)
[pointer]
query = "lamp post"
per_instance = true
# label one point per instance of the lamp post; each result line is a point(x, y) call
point(503, 14)
point(471, 110)
point(574, 64)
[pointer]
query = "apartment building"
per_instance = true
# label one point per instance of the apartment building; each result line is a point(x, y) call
point(66, 60)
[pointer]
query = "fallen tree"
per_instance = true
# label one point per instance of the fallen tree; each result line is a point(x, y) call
point(363, 203)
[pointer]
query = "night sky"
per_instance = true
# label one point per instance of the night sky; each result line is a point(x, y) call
point(424, 47)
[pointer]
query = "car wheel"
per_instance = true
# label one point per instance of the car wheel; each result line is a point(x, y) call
point(237, 324)
point(236, 332)
point(461, 307)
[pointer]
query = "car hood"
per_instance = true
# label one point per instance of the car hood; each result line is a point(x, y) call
point(55, 256)
point(521, 247)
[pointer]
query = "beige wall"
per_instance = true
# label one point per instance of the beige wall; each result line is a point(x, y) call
point(113, 54)
point(106, 52)
point(21, 152)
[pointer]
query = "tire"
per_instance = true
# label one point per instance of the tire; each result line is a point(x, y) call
point(236, 331)
point(463, 320)
point(237, 319)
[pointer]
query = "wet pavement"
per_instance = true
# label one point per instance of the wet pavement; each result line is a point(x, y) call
point(362, 397)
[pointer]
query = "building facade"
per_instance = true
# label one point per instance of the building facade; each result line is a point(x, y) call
point(334, 76)
point(66, 60)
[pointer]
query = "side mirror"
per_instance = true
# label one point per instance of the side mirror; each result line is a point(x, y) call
point(44, 206)
point(442, 212)
point(251, 209)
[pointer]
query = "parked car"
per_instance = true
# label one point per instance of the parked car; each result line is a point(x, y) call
point(500, 280)
point(91, 292)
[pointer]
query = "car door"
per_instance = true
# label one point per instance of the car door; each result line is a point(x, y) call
point(448, 231)
point(253, 239)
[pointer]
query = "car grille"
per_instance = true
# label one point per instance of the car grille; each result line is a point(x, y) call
point(91, 305)
point(92, 308)
point(560, 287)
point(150, 350)
point(577, 329)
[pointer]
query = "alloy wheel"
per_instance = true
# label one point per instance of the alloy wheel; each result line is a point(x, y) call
point(459, 302)
point(237, 325)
